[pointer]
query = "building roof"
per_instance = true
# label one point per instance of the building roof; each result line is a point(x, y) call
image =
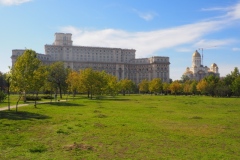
point(214, 65)
point(196, 54)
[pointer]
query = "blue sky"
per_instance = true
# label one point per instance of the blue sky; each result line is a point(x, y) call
point(174, 28)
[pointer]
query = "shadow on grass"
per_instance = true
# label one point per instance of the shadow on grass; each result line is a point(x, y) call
point(21, 115)
point(111, 99)
point(65, 104)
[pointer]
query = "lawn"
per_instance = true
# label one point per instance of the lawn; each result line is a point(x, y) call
point(13, 99)
point(124, 127)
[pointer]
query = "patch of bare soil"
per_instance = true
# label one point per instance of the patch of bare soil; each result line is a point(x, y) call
point(79, 146)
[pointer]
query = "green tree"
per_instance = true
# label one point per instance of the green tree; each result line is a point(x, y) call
point(166, 88)
point(57, 76)
point(73, 81)
point(175, 87)
point(93, 82)
point(100, 82)
point(143, 86)
point(39, 79)
point(202, 86)
point(229, 80)
point(3, 96)
point(25, 74)
point(3, 81)
point(184, 78)
point(193, 87)
point(126, 85)
point(235, 73)
point(87, 81)
point(187, 87)
point(155, 85)
point(112, 85)
point(222, 90)
point(212, 83)
point(236, 86)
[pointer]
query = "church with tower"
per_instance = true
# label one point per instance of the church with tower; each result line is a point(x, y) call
point(198, 71)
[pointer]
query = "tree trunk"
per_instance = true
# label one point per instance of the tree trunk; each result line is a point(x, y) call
point(35, 104)
point(25, 98)
point(51, 97)
point(60, 90)
point(91, 92)
point(20, 96)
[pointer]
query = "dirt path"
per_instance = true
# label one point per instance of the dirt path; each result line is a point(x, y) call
point(22, 105)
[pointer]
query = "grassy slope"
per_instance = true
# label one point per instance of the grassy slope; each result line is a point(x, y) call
point(131, 127)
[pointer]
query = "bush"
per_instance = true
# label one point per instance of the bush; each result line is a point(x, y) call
point(47, 97)
point(32, 98)
point(38, 149)
point(3, 96)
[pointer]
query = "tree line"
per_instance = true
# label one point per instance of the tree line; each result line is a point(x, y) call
point(210, 86)
point(30, 76)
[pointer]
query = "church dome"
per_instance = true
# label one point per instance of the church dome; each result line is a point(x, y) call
point(196, 54)
point(214, 65)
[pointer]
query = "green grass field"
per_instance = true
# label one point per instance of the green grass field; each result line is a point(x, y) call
point(125, 127)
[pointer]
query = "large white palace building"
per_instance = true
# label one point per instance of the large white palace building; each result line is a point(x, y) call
point(116, 61)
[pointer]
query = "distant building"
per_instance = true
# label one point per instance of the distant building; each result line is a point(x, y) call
point(116, 61)
point(198, 71)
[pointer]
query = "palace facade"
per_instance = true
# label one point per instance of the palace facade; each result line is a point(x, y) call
point(198, 71)
point(116, 61)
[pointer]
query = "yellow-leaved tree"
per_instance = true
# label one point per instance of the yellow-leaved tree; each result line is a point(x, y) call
point(175, 87)
point(143, 86)
point(156, 85)
point(27, 75)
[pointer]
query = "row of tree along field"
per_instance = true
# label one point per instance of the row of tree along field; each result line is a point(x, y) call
point(30, 76)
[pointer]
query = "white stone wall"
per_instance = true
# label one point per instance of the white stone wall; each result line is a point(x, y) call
point(46, 59)
point(63, 39)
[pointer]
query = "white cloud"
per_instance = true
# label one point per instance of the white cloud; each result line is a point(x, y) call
point(13, 2)
point(148, 43)
point(233, 12)
point(236, 49)
point(147, 16)
point(213, 43)
point(184, 50)
point(215, 9)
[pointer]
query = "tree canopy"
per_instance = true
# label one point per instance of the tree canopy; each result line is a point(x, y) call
point(57, 76)
point(27, 74)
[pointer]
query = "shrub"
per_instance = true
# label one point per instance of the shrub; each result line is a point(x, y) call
point(32, 98)
point(3, 96)
point(38, 149)
point(48, 97)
